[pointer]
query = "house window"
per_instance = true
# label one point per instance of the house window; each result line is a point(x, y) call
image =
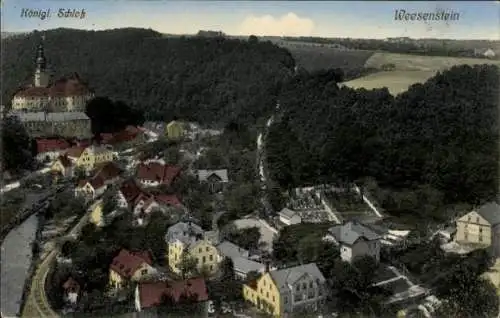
point(207, 249)
point(211, 267)
point(466, 235)
point(469, 219)
point(264, 283)
point(477, 219)
point(274, 299)
point(267, 294)
point(211, 257)
point(285, 300)
point(480, 230)
point(144, 272)
point(298, 287)
point(199, 250)
point(310, 284)
point(480, 238)
point(304, 286)
point(204, 259)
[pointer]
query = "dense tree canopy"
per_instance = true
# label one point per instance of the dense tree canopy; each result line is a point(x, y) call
point(16, 152)
point(437, 139)
point(107, 116)
point(198, 78)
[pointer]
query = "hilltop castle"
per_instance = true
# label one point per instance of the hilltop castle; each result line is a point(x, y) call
point(55, 109)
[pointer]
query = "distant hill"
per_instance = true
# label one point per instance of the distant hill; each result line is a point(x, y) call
point(196, 78)
point(6, 35)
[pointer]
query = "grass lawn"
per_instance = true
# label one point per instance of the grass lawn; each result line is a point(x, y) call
point(409, 62)
point(396, 81)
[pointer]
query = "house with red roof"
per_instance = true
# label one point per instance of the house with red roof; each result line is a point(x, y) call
point(154, 173)
point(106, 175)
point(129, 267)
point(145, 203)
point(128, 193)
point(129, 137)
point(49, 149)
point(71, 291)
point(63, 166)
point(150, 295)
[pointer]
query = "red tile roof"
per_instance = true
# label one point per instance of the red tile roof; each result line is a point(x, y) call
point(126, 263)
point(75, 152)
point(155, 171)
point(170, 199)
point(61, 88)
point(65, 161)
point(46, 145)
point(97, 182)
point(150, 294)
point(130, 190)
point(108, 171)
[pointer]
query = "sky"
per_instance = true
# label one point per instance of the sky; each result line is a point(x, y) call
point(477, 20)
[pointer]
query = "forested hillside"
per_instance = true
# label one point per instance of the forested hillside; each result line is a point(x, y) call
point(202, 79)
point(438, 140)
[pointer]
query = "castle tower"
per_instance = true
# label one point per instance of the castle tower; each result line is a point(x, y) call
point(41, 74)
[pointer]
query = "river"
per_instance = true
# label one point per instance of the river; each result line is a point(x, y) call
point(15, 263)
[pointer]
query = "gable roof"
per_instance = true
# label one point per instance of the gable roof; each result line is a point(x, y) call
point(169, 199)
point(46, 145)
point(245, 265)
point(130, 190)
point(155, 171)
point(490, 212)
point(75, 152)
point(350, 232)
point(229, 249)
point(286, 212)
point(65, 161)
point(108, 171)
point(288, 276)
point(126, 263)
point(188, 233)
point(204, 175)
point(150, 294)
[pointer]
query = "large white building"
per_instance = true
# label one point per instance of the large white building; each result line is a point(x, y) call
point(67, 94)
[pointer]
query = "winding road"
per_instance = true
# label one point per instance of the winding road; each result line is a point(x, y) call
point(38, 296)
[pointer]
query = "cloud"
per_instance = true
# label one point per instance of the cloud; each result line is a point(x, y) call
point(287, 25)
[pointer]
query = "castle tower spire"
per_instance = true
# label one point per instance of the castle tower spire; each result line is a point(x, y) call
point(41, 76)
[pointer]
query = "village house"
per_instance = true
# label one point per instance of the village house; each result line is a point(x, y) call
point(289, 217)
point(48, 150)
point(481, 227)
point(107, 174)
point(175, 130)
point(153, 174)
point(93, 156)
point(129, 137)
point(189, 239)
point(354, 240)
point(128, 193)
point(242, 264)
point(285, 291)
point(145, 203)
point(150, 295)
point(216, 179)
point(63, 166)
point(129, 267)
point(71, 292)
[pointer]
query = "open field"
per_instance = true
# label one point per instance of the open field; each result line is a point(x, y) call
point(317, 57)
point(409, 62)
point(396, 81)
